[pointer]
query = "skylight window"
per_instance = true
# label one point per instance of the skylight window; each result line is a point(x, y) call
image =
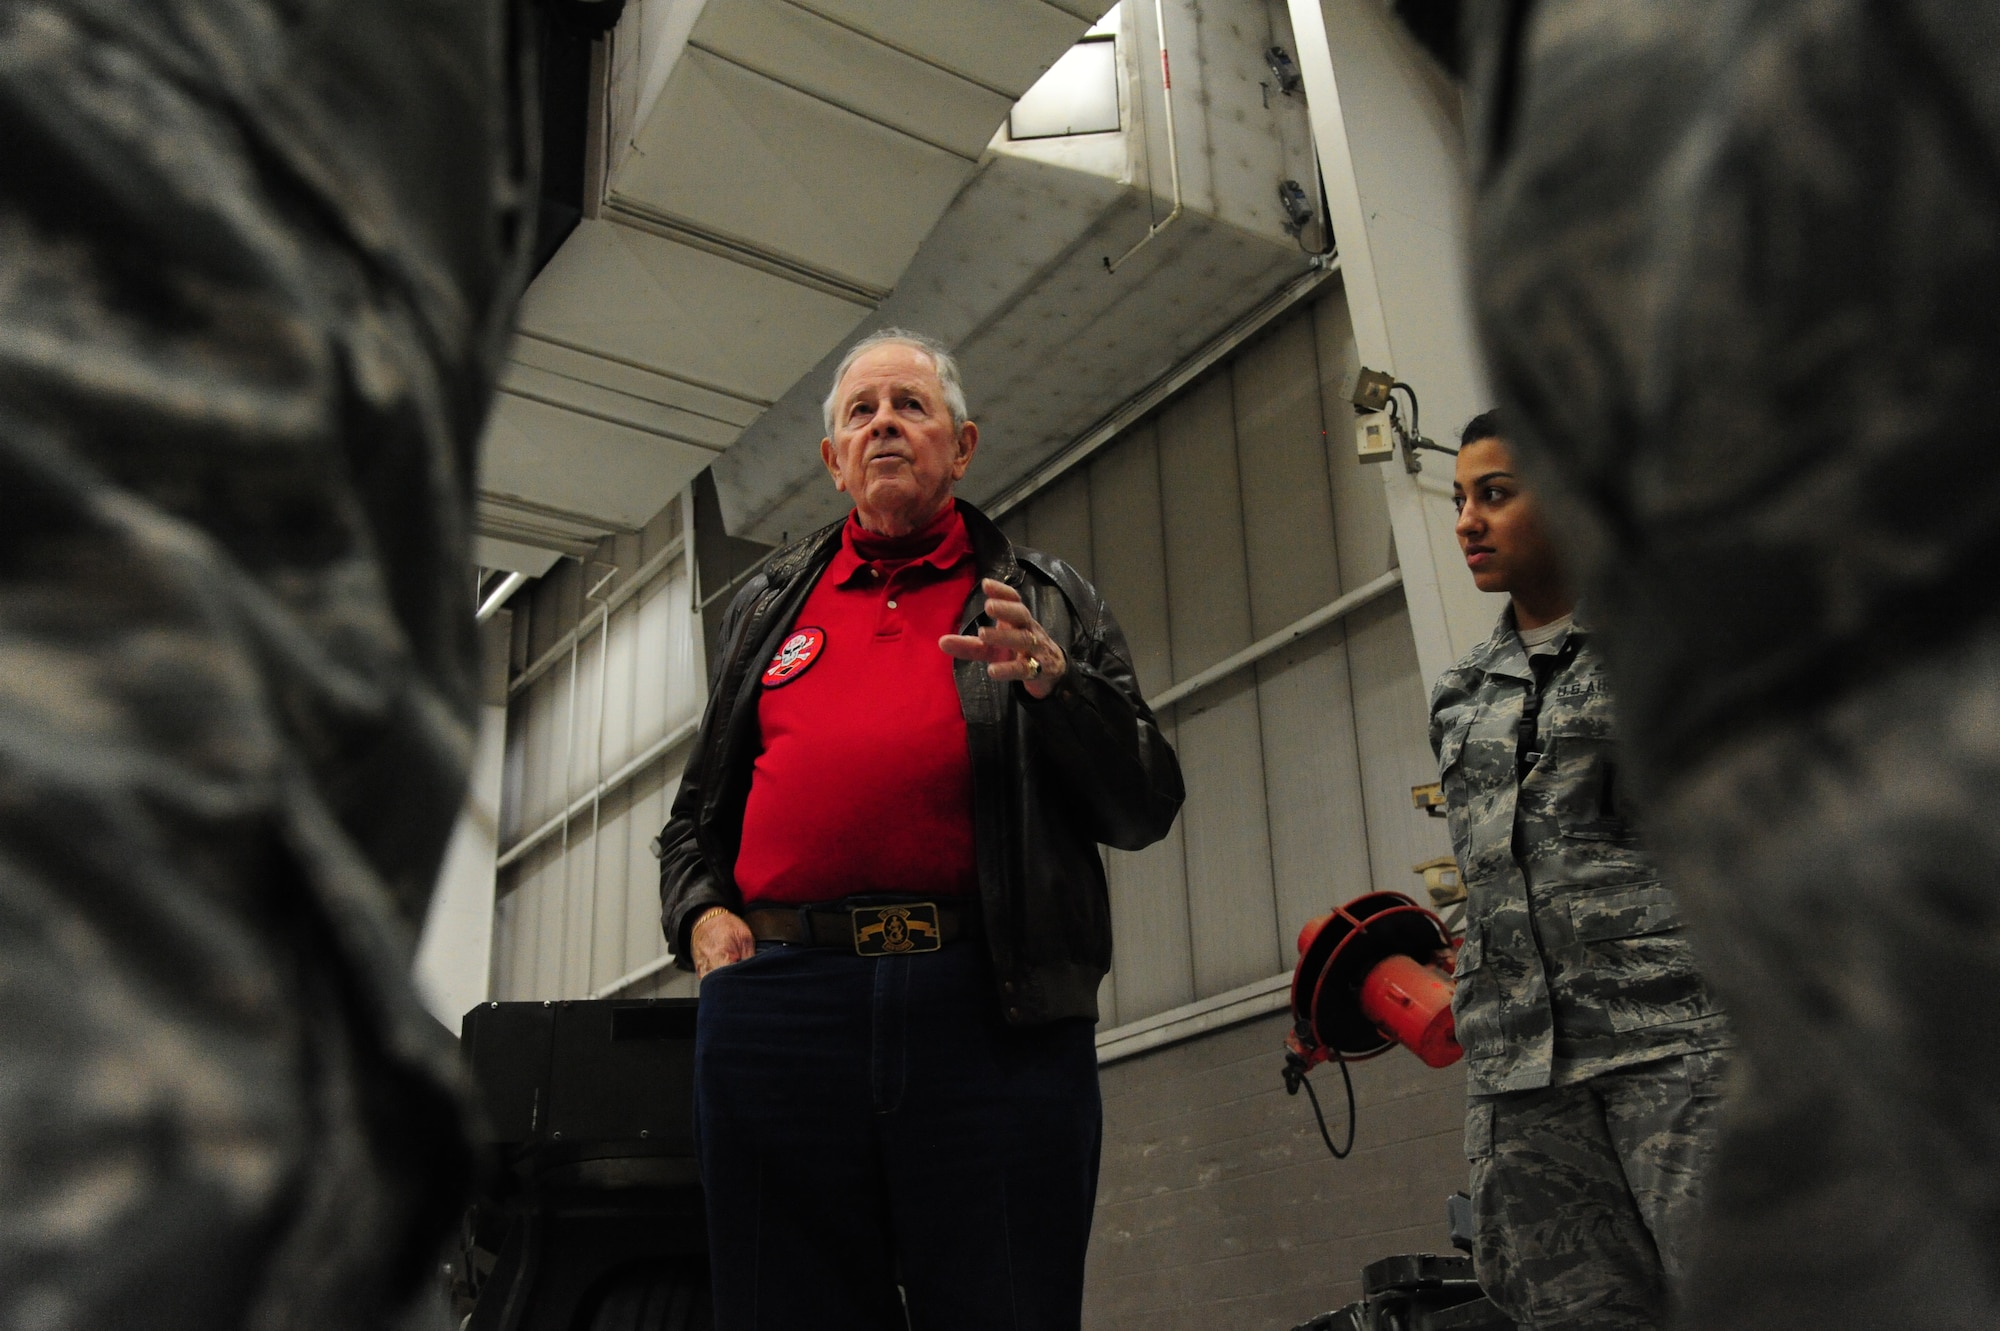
point(1079, 94)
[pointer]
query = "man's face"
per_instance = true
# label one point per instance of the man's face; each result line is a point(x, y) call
point(1505, 544)
point(893, 447)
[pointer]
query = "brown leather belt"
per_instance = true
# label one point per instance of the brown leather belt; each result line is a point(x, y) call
point(878, 929)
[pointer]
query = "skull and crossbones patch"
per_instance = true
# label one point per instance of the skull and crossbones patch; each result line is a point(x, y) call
point(799, 650)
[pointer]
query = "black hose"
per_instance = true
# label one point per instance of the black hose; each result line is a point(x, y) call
point(1295, 1077)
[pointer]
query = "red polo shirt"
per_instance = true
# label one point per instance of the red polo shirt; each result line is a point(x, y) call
point(864, 782)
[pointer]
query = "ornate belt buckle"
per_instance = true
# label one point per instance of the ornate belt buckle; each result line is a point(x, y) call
point(894, 931)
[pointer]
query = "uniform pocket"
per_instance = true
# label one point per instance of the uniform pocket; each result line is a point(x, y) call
point(1636, 963)
point(1605, 830)
point(1452, 747)
point(1471, 956)
point(1475, 1000)
point(1707, 1073)
point(1478, 1131)
point(1623, 912)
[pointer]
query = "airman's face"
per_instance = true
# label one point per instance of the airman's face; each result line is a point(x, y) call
point(893, 447)
point(1505, 544)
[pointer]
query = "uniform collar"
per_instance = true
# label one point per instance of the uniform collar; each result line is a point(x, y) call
point(1504, 654)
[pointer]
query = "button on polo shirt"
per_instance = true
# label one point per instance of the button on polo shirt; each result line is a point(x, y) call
point(864, 780)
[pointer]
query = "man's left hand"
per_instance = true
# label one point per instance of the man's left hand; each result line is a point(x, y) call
point(1014, 647)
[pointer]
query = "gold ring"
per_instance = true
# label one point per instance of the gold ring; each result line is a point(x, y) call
point(1034, 668)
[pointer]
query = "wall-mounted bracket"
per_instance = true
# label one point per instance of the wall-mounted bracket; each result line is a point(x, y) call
point(1429, 798)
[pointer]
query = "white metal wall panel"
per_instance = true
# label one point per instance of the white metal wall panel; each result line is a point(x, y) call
point(1392, 719)
point(1318, 827)
point(1201, 501)
point(1287, 497)
point(1231, 910)
point(1129, 563)
point(580, 910)
point(1360, 513)
point(1151, 956)
point(660, 660)
point(608, 888)
point(1227, 833)
point(1059, 520)
point(1318, 814)
point(651, 795)
point(1152, 948)
point(1236, 510)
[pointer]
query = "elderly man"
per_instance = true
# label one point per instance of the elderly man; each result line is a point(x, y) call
point(883, 862)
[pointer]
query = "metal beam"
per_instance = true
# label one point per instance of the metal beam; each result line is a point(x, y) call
point(1284, 637)
point(1393, 165)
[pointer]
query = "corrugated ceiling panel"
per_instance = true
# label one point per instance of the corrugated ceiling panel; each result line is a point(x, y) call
point(599, 475)
point(1004, 45)
point(626, 294)
point(839, 65)
point(643, 414)
point(595, 375)
point(735, 154)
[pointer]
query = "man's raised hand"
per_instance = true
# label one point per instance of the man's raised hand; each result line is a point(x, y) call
point(1014, 646)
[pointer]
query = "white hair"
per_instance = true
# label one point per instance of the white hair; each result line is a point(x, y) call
point(942, 361)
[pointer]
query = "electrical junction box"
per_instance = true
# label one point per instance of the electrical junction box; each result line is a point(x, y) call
point(1374, 437)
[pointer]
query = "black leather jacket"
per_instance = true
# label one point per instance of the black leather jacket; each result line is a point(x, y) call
point(1050, 778)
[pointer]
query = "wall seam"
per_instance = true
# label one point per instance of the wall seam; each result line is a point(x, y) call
point(1173, 671)
point(1256, 672)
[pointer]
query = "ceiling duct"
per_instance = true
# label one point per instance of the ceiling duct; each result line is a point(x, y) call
point(777, 177)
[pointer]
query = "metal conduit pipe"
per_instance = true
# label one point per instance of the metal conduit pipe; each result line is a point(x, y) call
point(498, 597)
point(1173, 152)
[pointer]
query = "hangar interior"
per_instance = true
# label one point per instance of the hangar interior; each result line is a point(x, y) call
point(1102, 211)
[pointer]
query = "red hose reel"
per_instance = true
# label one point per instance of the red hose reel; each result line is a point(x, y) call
point(1374, 974)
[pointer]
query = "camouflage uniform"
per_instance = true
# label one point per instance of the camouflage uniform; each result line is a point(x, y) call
point(1740, 279)
point(1593, 1049)
point(257, 262)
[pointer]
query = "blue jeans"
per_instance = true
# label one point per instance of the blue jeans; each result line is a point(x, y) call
point(869, 1122)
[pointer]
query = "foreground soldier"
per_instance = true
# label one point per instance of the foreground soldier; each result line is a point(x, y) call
point(1738, 269)
point(1594, 1051)
point(885, 866)
point(257, 263)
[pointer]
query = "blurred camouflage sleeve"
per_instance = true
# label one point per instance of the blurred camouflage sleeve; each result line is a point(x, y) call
point(1738, 276)
point(257, 262)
